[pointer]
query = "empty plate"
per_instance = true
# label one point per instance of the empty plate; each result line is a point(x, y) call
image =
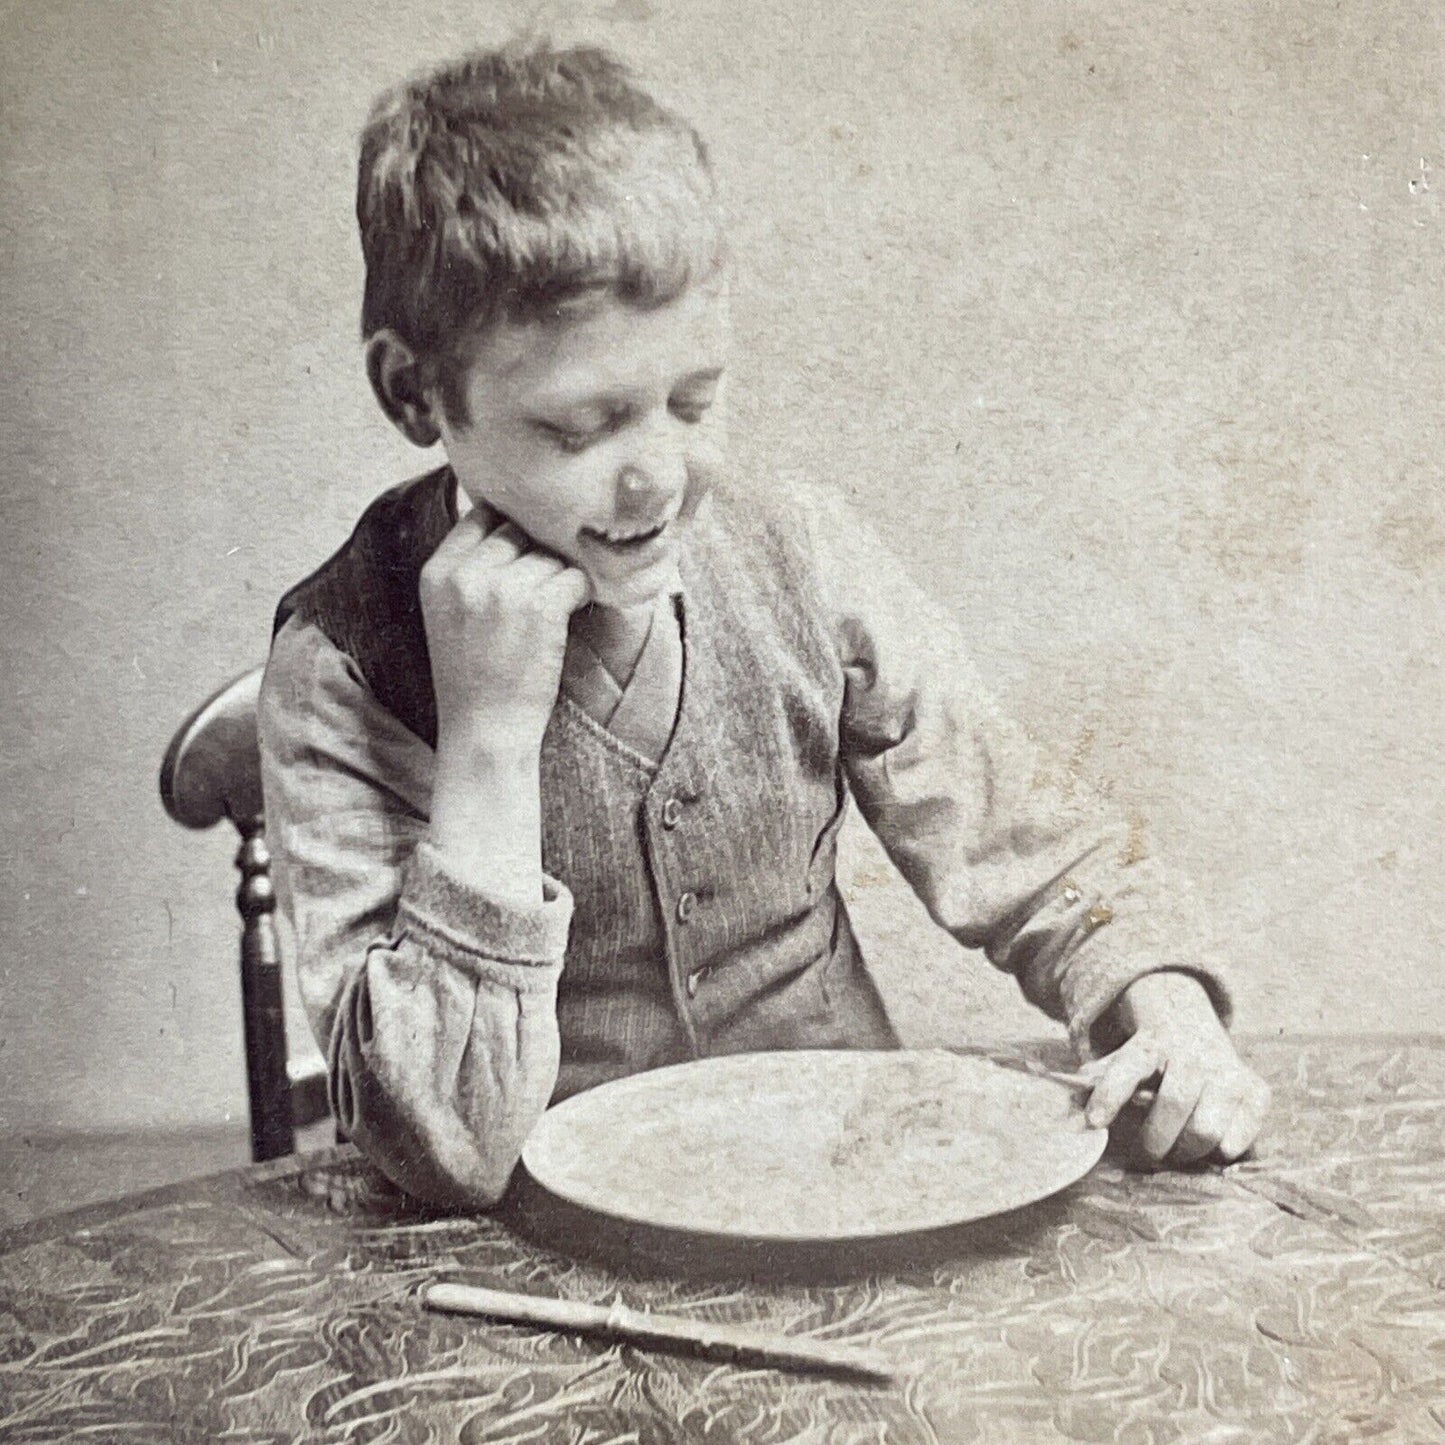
point(815, 1144)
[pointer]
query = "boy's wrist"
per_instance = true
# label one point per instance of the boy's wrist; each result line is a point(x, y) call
point(488, 745)
point(1167, 997)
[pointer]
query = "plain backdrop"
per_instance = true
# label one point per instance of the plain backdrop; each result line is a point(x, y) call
point(1122, 322)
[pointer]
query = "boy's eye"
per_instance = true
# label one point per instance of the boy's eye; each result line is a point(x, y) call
point(691, 408)
point(572, 439)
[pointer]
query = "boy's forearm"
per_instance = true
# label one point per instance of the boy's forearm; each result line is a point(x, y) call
point(486, 817)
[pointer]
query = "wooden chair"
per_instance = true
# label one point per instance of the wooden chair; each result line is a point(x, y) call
point(212, 770)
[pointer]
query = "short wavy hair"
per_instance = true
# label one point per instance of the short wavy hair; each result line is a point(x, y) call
point(500, 186)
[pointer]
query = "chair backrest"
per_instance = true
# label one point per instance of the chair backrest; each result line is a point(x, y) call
point(211, 771)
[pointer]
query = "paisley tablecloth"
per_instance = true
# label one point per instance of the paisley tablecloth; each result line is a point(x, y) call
point(1299, 1297)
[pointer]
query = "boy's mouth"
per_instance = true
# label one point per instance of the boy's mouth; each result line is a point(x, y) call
point(624, 541)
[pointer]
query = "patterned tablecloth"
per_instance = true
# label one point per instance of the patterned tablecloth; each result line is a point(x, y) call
point(1295, 1297)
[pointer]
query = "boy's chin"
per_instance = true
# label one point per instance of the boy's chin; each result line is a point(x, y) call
point(636, 590)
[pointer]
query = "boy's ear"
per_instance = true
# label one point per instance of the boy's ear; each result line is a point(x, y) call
point(396, 376)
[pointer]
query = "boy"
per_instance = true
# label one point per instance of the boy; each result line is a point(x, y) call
point(557, 746)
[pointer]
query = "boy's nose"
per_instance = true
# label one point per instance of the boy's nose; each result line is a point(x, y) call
point(641, 495)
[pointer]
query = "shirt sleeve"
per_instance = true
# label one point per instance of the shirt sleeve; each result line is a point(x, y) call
point(434, 1003)
point(1008, 850)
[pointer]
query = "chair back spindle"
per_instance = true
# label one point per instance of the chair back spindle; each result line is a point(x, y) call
point(269, 1087)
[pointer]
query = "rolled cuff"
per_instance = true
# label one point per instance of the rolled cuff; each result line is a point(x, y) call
point(1100, 972)
point(459, 919)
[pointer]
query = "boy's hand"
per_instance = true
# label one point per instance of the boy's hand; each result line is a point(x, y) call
point(496, 613)
point(1207, 1102)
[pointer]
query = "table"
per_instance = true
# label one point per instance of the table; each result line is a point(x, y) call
point(1298, 1296)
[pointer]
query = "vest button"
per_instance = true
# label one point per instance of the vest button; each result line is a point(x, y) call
point(686, 904)
point(671, 813)
point(694, 981)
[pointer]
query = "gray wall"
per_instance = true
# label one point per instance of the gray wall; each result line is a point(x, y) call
point(1122, 321)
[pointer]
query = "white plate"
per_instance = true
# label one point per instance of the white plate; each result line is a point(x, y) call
point(814, 1144)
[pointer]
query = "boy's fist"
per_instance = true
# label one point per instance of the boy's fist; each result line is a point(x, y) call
point(496, 613)
point(1207, 1102)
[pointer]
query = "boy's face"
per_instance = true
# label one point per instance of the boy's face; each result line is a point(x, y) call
point(599, 433)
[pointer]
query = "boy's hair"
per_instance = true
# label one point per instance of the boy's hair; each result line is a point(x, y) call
point(496, 188)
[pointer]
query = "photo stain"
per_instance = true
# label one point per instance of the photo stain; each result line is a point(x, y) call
point(1266, 507)
point(1136, 850)
point(1413, 541)
point(635, 12)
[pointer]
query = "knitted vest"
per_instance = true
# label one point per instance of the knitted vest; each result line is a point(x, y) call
point(707, 918)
